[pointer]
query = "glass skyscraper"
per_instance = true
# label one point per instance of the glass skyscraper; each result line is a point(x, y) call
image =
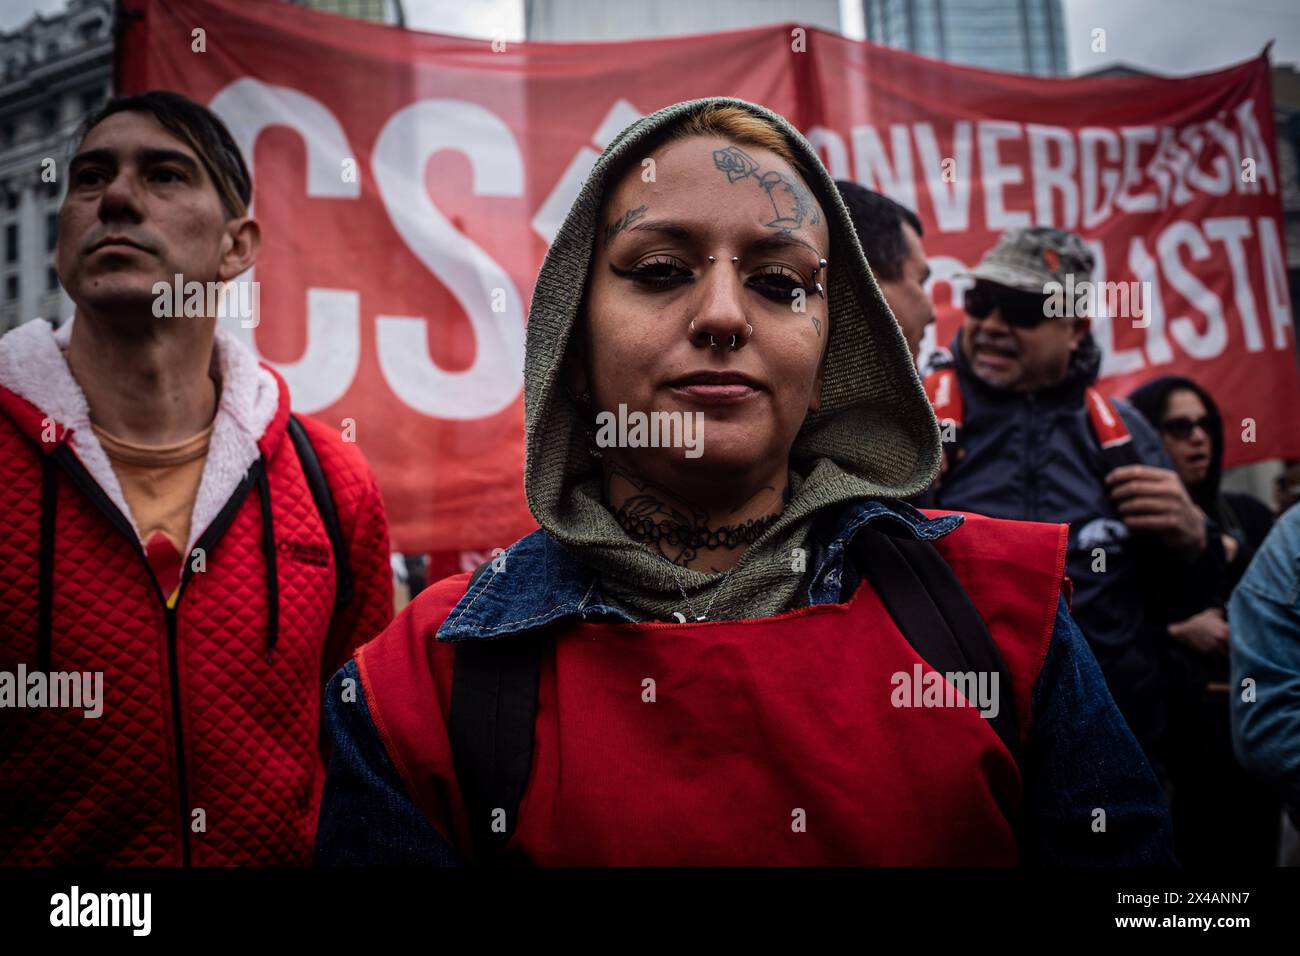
point(1019, 36)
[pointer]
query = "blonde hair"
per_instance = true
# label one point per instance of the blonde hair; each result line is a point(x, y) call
point(742, 127)
point(725, 122)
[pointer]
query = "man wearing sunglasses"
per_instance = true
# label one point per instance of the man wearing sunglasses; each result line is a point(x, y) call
point(1028, 436)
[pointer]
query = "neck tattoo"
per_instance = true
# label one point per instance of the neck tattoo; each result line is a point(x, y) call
point(666, 533)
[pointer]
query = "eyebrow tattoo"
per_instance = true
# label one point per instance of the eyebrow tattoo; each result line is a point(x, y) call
point(621, 223)
point(792, 204)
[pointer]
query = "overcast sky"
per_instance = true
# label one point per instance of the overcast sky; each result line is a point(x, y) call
point(1167, 36)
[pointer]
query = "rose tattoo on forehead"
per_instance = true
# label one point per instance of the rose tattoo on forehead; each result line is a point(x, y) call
point(792, 204)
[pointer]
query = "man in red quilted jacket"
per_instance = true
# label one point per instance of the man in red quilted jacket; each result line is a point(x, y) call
point(183, 563)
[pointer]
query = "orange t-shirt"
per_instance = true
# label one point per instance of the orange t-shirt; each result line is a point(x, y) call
point(160, 483)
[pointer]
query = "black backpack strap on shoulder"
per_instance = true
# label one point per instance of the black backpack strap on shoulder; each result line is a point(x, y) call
point(935, 614)
point(493, 710)
point(320, 493)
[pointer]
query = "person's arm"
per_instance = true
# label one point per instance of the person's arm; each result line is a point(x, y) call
point(1256, 521)
point(1264, 649)
point(1090, 797)
point(367, 818)
point(1181, 554)
point(365, 536)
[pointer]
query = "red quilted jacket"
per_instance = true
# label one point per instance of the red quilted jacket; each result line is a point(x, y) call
point(208, 750)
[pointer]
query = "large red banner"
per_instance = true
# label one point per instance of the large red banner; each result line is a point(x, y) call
point(408, 185)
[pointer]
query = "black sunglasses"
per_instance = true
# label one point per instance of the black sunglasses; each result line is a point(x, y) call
point(1021, 310)
point(1181, 428)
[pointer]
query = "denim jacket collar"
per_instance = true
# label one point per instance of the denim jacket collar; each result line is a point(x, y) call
point(538, 581)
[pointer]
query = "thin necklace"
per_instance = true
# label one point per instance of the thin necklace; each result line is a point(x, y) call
point(690, 607)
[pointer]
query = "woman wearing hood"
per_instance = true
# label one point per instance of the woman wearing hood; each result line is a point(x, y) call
point(732, 646)
point(1221, 814)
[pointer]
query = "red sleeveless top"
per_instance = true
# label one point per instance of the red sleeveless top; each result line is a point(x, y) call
point(767, 741)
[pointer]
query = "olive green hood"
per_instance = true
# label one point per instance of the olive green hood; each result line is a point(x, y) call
point(873, 436)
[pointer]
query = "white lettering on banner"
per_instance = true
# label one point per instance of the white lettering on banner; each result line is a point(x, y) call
point(1143, 267)
point(1114, 361)
point(1211, 343)
point(1200, 338)
point(830, 148)
point(1052, 177)
point(1134, 137)
point(873, 169)
point(1223, 165)
point(1177, 160)
point(550, 217)
point(327, 367)
point(951, 200)
point(1091, 174)
point(1275, 284)
point(1072, 178)
point(1231, 230)
point(494, 381)
point(995, 175)
point(1097, 211)
point(325, 372)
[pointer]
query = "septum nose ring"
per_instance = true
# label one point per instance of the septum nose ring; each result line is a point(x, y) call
point(734, 344)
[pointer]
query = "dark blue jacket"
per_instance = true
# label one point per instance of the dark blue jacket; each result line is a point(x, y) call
point(1033, 457)
point(1079, 757)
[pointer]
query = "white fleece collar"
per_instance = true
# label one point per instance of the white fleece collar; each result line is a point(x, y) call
point(32, 365)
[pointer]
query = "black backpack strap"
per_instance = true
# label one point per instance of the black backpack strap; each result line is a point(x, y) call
point(935, 614)
point(493, 710)
point(320, 493)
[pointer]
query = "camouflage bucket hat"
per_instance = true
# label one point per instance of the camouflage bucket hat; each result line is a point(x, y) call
point(1030, 258)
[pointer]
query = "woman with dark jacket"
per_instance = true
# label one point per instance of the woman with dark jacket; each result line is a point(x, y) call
point(1220, 814)
point(716, 649)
